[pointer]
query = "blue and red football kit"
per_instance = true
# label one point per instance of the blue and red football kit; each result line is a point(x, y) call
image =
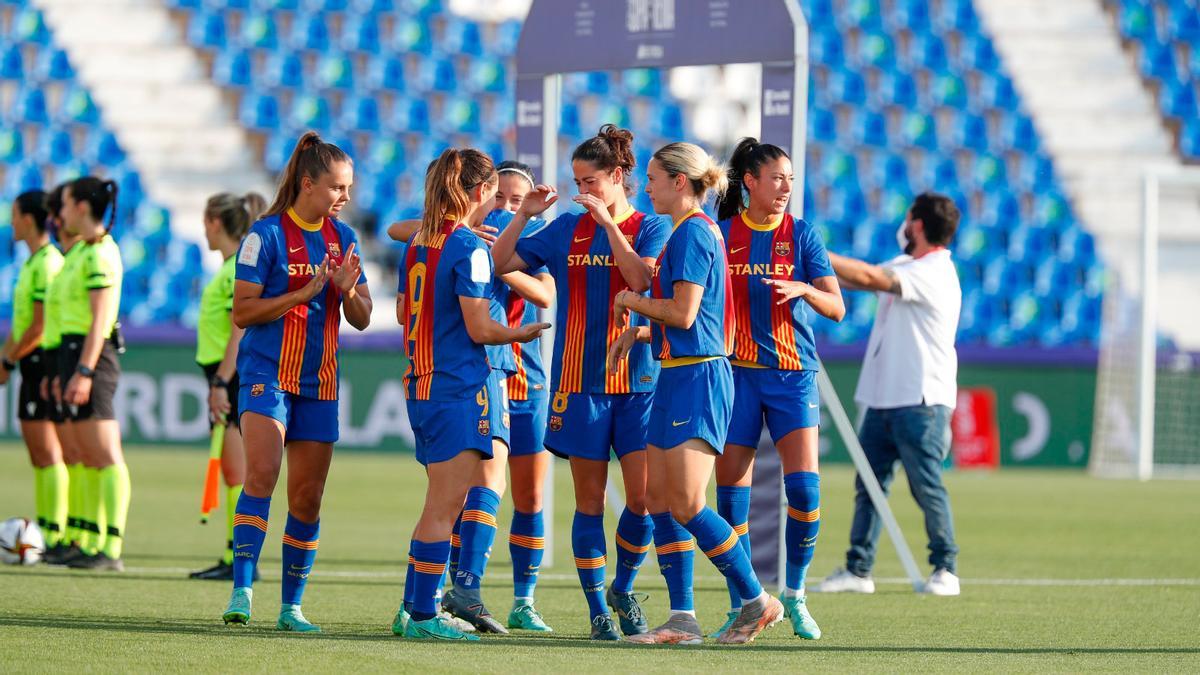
point(594, 412)
point(289, 367)
point(774, 354)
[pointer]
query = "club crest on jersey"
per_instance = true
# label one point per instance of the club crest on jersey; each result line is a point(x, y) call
point(629, 239)
point(335, 249)
point(257, 389)
point(485, 427)
point(783, 248)
point(504, 420)
point(555, 423)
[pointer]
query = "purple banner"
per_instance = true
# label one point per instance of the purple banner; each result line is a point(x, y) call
point(563, 36)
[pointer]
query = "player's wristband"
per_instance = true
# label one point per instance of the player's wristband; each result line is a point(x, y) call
point(8, 365)
point(84, 371)
point(217, 382)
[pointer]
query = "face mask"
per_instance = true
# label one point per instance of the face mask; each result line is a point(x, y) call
point(903, 241)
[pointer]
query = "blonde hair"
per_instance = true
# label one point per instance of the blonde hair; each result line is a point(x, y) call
point(448, 183)
point(236, 212)
point(705, 173)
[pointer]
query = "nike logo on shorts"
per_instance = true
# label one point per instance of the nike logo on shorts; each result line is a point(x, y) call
point(812, 405)
point(679, 424)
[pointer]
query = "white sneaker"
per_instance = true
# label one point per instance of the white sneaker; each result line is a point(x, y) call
point(942, 582)
point(844, 581)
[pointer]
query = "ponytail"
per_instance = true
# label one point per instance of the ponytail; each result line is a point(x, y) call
point(235, 213)
point(99, 195)
point(448, 183)
point(748, 158)
point(608, 150)
point(311, 158)
point(33, 204)
point(704, 173)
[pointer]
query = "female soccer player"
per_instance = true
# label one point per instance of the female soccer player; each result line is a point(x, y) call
point(78, 527)
point(779, 268)
point(443, 298)
point(692, 335)
point(297, 273)
point(227, 217)
point(88, 301)
point(24, 346)
point(593, 256)
point(521, 422)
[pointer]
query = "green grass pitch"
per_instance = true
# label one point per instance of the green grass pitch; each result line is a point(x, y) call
point(1061, 572)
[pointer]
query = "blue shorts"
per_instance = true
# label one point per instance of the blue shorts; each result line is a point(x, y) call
point(788, 399)
point(528, 428)
point(590, 425)
point(501, 422)
point(693, 401)
point(303, 418)
point(443, 429)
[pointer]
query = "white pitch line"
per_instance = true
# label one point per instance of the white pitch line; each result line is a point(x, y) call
point(899, 581)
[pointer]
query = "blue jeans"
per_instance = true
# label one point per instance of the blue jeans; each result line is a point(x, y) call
point(918, 436)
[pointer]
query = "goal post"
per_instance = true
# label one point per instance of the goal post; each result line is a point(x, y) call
point(560, 37)
point(1148, 396)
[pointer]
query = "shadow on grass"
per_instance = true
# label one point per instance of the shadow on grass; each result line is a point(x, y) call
point(263, 631)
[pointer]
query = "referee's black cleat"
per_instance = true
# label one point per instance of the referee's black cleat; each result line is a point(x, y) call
point(65, 556)
point(55, 554)
point(468, 606)
point(222, 571)
point(100, 561)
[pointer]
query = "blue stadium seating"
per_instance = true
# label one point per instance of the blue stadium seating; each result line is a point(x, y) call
point(1164, 37)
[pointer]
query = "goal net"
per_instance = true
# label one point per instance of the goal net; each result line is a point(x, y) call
point(1147, 418)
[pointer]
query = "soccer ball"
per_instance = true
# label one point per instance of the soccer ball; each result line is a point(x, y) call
point(21, 542)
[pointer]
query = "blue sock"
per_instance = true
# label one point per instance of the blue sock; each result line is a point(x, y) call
point(720, 543)
point(591, 559)
point(526, 546)
point(478, 533)
point(634, 534)
point(455, 547)
point(410, 579)
point(676, 555)
point(300, 541)
point(733, 504)
point(249, 529)
point(428, 565)
point(803, 490)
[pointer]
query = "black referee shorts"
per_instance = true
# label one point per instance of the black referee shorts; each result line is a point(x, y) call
point(104, 383)
point(31, 406)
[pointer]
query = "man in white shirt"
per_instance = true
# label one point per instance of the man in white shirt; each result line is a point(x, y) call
point(908, 387)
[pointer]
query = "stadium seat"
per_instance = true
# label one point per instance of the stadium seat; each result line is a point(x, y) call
point(360, 33)
point(950, 90)
point(460, 115)
point(996, 91)
point(896, 88)
point(1136, 20)
point(847, 86)
point(489, 76)
point(1158, 61)
point(411, 35)
point(28, 26)
point(438, 74)
point(891, 172)
point(1189, 138)
point(1178, 99)
point(258, 30)
point(920, 130)
point(284, 69)
point(18, 178)
point(308, 32)
point(876, 49)
point(957, 15)
point(77, 106)
point(410, 116)
point(30, 107)
point(207, 29)
point(386, 73)
point(870, 128)
point(1017, 132)
point(462, 37)
point(911, 15)
point(1184, 22)
point(927, 51)
point(12, 64)
point(53, 65)
point(861, 14)
point(360, 114)
point(12, 146)
point(259, 111)
point(310, 111)
point(827, 49)
point(233, 68)
point(335, 71)
point(840, 170)
point(989, 173)
point(971, 132)
point(54, 147)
